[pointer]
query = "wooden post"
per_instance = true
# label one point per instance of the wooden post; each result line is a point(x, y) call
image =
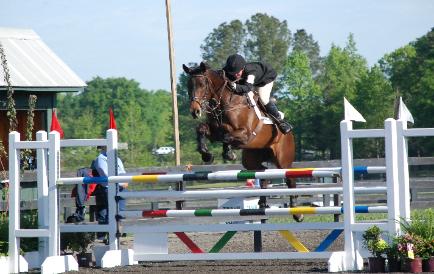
point(173, 84)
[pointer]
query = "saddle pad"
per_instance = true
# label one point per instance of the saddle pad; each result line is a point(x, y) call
point(264, 119)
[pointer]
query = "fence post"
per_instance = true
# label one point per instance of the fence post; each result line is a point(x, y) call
point(112, 146)
point(348, 193)
point(14, 202)
point(42, 186)
point(53, 210)
point(392, 179)
point(403, 173)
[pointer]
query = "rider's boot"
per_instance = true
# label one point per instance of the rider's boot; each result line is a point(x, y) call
point(272, 110)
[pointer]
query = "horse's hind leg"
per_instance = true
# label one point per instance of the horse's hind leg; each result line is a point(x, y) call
point(293, 200)
point(202, 131)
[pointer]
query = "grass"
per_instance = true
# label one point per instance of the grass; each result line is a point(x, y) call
point(325, 218)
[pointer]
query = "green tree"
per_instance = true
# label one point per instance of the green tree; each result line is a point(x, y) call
point(226, 39)
point(375, 100)
point(143, 118)
point(305, 43)
point(261, 38)
point(411, 69)
point(343, 67)
point(301, 100)
point(268, 40)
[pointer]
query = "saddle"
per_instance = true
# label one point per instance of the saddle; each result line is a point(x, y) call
point(259, 108)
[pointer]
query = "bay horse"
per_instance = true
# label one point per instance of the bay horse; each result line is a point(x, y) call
point(231, 119)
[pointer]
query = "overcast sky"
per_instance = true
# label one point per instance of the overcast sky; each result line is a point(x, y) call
point(128, 38)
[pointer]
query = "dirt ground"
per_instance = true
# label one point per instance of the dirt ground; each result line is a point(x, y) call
point(241, 242)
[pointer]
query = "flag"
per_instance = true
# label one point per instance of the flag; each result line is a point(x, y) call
point(404, 114)
point(55, 125)
point(112, 124)
point(351, 114)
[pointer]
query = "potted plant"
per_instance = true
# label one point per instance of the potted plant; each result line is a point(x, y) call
point(421, 226)
point(79, 242)
point(427, 254)
point(410, 248)
point(393, 257)
point(377, 247)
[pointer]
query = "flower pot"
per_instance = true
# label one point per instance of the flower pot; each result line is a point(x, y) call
point(412, 265)
point(84, 259)
point(428, 264)
point(394, 265)
point(376, 264)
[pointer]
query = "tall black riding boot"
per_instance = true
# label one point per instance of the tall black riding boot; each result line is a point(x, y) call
point(272, 110)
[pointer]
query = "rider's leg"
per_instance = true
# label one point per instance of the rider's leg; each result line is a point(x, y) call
point(264, 95)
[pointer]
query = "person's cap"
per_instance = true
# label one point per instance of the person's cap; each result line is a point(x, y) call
point(234, 64)
point(100, 147)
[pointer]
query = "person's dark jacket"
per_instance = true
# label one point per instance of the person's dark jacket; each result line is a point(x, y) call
point(262, 72)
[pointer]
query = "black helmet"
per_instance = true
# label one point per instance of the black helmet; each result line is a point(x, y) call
point(234, 64)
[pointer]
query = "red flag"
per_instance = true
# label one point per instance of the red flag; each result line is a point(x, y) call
point(112, 124)
point(55, 125)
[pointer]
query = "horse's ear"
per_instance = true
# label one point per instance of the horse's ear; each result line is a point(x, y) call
point(186, 69)
point(223, 73)
point(203, 66)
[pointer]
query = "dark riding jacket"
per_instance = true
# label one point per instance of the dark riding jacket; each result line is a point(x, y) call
point(255, 74)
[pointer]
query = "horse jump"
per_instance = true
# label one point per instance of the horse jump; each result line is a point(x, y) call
point(396, 169)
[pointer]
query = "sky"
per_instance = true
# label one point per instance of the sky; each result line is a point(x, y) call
point(128, 38)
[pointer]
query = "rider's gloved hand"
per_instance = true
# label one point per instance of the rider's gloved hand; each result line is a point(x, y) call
point(233, 86)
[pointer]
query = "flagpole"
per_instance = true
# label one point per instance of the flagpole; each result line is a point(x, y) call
point(173, 84)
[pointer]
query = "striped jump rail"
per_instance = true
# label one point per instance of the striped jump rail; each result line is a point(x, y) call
point(233, 175)
point(248, 212)
point(232, 193)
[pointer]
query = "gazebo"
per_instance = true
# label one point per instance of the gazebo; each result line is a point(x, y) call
point(33, 68)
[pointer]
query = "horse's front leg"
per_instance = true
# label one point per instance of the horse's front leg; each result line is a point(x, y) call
point(228, 154)
point(293, 199)
point(237, 137)
point(202, 133)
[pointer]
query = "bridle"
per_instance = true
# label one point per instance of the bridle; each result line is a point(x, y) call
point(203, 101)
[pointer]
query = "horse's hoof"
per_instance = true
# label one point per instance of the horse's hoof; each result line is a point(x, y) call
point(207, 158)
point(298, 217)
point(229, 155)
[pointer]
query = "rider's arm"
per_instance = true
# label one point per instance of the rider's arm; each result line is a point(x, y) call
point(247, 86)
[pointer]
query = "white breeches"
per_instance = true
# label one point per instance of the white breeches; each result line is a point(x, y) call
point(264, 92)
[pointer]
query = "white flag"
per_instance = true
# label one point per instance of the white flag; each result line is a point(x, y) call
point(351, 114)
point(403, 113)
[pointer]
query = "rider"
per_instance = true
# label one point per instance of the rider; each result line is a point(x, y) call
point(256, 76)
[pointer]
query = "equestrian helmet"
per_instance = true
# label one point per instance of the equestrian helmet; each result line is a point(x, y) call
point(234, 64)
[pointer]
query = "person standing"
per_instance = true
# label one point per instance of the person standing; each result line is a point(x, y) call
point(100, 169)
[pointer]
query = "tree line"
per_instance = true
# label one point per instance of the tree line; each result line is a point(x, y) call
point(310, 90)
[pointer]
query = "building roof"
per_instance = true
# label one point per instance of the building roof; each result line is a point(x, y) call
point(33, 65)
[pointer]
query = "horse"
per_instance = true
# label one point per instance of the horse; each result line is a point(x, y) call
point(231, 119)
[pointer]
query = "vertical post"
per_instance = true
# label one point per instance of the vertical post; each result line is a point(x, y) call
point(173, 84)
point(14, 202)
point(112, 146)
point(53, 176)
point(404, 177)
point(42, 185)
point(392, 179)
point(348, 192)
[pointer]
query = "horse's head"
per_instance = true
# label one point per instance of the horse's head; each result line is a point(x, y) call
point(202, 88)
